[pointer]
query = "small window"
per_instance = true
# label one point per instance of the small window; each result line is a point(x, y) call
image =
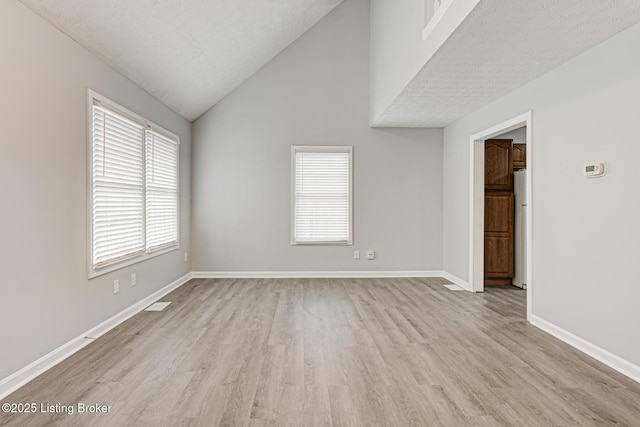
point(321, 195)
point(133, 187)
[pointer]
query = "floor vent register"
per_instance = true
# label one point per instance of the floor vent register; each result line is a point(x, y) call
point(157, 306)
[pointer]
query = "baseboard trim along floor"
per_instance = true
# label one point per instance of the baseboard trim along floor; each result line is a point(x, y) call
point(613, 361)
point(457, 281)
point(314, 274)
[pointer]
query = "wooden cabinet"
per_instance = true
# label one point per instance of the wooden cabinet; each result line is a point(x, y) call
point(498, 237)
point(498, 212)
point(498, 165)
point(519, 156)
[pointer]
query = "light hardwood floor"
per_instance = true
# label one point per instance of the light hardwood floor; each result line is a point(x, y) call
point(343, 352)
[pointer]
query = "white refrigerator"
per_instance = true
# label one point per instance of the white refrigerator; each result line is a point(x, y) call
point(520, 232)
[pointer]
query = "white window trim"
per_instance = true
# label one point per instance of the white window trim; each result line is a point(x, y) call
point(91, 97)
point(329, 149)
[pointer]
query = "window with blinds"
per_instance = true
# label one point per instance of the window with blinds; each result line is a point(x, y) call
point(321, 195)
point(134, 187)
point(117, 187)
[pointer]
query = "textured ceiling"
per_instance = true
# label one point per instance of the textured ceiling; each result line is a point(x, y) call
point(500, 46)
point(187, 53)
point(191, 53)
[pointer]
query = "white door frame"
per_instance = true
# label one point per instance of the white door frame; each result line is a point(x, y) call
point(476, 203)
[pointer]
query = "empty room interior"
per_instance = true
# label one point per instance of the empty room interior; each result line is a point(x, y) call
point(319, 212)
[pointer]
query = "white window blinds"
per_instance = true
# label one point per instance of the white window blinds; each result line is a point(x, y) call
point(321, 195)
point(118, 182)
point(162, 191)
point(134, 187)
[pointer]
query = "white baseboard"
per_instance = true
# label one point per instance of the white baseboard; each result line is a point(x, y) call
point(28, 373)
point(616, 362)
point(311, 274)
point(458, 281)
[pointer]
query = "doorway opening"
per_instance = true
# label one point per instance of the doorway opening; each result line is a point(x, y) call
point(477, 207)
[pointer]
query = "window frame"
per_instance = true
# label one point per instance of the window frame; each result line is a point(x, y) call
point(93, 97)
point(341, 149)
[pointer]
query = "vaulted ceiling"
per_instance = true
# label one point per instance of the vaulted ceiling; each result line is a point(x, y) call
point(187, 53)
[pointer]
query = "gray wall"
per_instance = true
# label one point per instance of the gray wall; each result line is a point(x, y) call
point(397, 49)
point(584, 230)
point(45, 298)
point(315, 92)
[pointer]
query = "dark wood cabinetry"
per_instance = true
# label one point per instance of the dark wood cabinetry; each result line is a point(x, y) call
point(498, 238)
point(498, 165)
point(498, 212)
point(519, 156)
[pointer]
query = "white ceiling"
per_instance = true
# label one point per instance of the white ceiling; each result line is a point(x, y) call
point(187, 53)
point(191, 53)
point(500, 46)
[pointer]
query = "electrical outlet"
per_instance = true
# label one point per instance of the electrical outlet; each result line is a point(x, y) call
point(356, 254)
point(371, 254)
point(116, 286)
point(133, 279)
point(186, 257)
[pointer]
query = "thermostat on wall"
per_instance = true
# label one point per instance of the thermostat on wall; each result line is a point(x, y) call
point(595, 169)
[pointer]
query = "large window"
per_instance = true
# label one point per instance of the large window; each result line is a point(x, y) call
point(133, 187)
point(321, 195)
